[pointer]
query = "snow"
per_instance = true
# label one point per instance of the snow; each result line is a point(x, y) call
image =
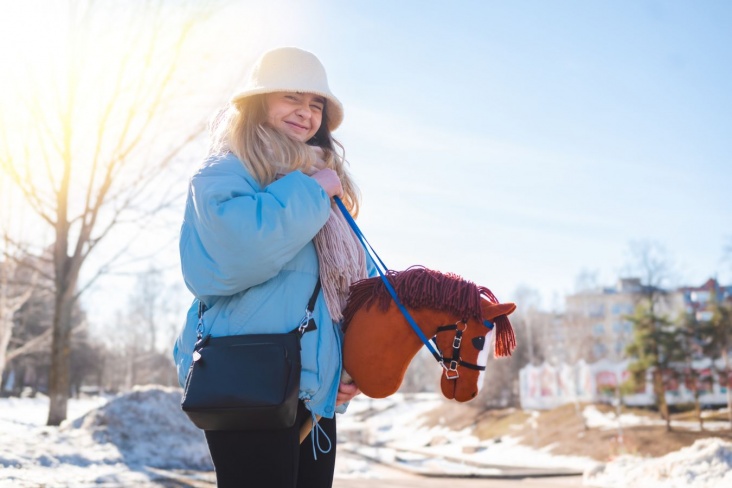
point(596, 419)
point(705, 464)
point(111, 442)
point(126, 441)
point(397, 430)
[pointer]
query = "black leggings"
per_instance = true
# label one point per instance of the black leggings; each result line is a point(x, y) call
point(272, 458)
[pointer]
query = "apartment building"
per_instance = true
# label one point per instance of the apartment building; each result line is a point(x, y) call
point(598, 319)
point(697, 299)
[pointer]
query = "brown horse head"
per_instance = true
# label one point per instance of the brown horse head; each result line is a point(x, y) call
point(379, 343)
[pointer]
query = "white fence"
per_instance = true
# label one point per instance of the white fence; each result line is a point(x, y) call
point(547, 386)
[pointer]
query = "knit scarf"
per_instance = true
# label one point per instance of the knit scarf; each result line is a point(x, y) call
point(341, 260)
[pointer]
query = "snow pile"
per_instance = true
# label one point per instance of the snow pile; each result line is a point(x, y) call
point(148, 428)
point(113, 444)
point(596, 419)
point(705, 464)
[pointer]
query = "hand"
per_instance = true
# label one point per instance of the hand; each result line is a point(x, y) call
point(328, 179)
point(346, 392)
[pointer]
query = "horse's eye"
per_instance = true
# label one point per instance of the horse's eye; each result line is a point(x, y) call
point(479, 342)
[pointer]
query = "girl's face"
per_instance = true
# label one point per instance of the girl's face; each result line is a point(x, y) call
point(298, 115)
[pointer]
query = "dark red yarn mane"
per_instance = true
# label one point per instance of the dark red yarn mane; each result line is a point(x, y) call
point(419, 287)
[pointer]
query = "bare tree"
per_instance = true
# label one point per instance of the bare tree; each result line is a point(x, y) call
point(586, 280)
point(527, 307)
point(31, 324)
point(149, 306)
point(654, 345)
point(11, 299)
point(91, 143)
point(501, 380)
point(27, 352)
point(14, 291)
point(720, 335)
point(727, 251)
point(143, 321)
point(722, 323)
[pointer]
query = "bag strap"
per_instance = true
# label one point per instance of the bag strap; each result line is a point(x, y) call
point(379, 265)
point(314, 297)
point(302, 327)
point(307, 323)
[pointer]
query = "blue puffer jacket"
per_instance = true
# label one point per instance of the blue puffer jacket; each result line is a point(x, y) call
point(247, 252)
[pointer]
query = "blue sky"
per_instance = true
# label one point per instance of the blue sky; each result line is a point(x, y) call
point(518, 143)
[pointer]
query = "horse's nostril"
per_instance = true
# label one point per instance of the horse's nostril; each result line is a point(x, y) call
point(479, 342)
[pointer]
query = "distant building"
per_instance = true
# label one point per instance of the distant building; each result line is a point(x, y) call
point(597, 320)
point(697, 300)
point(582, 351)
point(545, 337)
point(547, 386)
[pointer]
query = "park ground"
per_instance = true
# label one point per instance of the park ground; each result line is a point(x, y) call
point(571, 429)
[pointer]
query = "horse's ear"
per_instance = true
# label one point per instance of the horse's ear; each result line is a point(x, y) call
point(492, 310)
point(505, 337)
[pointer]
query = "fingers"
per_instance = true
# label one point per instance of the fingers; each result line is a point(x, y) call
point(348, 388)
point(346, 392)
point(328, 179)
point(342, 398)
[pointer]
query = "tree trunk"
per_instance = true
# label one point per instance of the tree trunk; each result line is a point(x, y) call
point(694, 377)
point(729, 397)
point(660, 392)
point(6, 330)
point(66, 274)
point(8, 307)
point(59, 375)
point(725, 358)
point(66, 277)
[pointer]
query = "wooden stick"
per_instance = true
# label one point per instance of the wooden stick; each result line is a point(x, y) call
point(306, 427)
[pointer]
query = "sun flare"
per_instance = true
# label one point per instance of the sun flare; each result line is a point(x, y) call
point(90, 87)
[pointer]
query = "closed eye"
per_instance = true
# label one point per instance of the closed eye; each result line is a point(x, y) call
point(318, 103)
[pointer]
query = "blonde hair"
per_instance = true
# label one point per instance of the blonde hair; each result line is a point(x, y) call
point(240, 128)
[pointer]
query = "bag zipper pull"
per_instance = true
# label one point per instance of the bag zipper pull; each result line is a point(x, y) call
point(200, 343)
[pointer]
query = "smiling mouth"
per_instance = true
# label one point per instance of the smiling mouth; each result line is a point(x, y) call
point(296, 126)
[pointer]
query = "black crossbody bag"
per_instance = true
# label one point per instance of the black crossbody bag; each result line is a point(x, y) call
point(245, 382)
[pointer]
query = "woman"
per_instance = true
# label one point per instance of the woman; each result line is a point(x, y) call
point(259, 230)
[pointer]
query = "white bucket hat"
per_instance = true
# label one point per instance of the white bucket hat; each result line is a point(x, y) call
point(294, 70)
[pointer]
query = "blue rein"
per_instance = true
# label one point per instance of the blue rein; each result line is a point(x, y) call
point(379, 265)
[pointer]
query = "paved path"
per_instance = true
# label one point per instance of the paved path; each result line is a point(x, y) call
point(383, 476)
point(376, 475)
point(421, 482)
point(401, 480)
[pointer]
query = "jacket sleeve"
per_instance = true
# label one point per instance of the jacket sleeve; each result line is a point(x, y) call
point(236, 235)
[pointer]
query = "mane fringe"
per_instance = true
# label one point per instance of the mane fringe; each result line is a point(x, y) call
point(419, 287)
